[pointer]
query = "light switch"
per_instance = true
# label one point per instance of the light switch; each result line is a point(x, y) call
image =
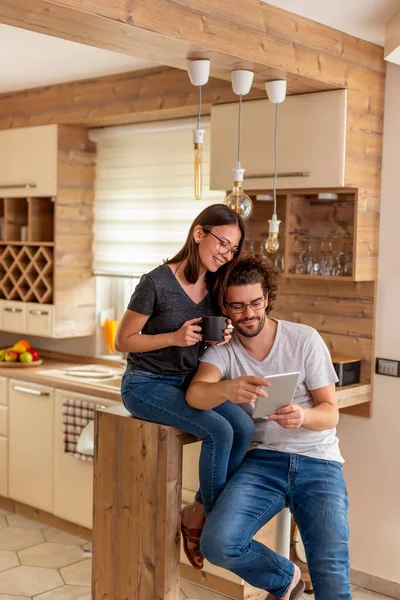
point(386, 366)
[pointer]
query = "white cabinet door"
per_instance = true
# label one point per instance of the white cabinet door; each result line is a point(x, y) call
point(311, 142)
point(31, 444)
point(73, 477)
point(28, 161)
point(3, 466)
point(3, 391)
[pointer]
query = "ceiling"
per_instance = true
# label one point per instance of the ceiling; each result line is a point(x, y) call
point(29, 59)
point(365, 19)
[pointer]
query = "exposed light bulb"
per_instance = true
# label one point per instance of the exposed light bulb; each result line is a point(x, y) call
point(238, 200)
point(199, 71)
point(198, 135)
point(272, 243)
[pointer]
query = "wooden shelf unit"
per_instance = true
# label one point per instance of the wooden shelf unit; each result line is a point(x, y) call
point(26, 265)
point(341, 308)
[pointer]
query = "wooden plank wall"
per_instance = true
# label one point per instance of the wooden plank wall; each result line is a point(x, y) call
point(74, 284)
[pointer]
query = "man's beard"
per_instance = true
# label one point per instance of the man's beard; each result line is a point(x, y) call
point(253, 332)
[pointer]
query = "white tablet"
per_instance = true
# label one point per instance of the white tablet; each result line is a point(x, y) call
point(280, 393)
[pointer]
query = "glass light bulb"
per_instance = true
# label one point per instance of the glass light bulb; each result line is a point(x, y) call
point(272, 243)
point(239, 201)
point(198, 171)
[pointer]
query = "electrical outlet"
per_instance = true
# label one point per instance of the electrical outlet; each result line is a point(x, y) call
point(387, 366)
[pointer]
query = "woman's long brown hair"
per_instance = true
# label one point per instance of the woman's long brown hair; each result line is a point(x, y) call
point(212, 216)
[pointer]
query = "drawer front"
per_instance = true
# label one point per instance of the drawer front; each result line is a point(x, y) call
point(4, 420)
point(39, 319)
point(3, 391)
point(14, 316)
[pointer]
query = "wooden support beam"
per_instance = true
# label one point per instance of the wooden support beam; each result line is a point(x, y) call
point(140, 96)
point(240, 34)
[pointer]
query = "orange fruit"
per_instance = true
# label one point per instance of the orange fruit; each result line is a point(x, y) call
point(25, 343)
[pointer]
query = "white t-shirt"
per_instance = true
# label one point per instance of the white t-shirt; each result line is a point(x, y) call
point(296, 348)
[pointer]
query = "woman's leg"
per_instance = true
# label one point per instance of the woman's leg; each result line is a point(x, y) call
point(156, 400)
point(243, 430)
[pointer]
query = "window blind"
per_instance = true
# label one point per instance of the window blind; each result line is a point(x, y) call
point(144, 195)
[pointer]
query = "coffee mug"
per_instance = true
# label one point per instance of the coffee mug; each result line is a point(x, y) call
point(212, 328)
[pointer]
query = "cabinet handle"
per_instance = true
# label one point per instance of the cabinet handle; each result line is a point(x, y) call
point(18, 186)
point(38, 312)
point(270, 175)
point(13, 310)
point(19, 388)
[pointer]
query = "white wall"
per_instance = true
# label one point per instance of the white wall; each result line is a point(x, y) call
point(372, 447)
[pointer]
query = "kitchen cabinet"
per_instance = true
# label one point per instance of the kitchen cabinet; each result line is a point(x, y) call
point(73, 477)
point(51, 293)
point(311, 142)
point(28, 161)
point(3, 437)
point(31, 444)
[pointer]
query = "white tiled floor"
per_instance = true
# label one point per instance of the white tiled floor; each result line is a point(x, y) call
point(38, 562)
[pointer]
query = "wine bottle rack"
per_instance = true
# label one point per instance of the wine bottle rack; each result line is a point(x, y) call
point(26, 273)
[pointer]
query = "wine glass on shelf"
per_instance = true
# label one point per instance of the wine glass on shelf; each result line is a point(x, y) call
point(337, 269)
point(348, 255)
point(301, 268)
point(329, 259)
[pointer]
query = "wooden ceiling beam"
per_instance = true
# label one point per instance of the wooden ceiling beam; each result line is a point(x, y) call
point(140, 96)
point(238, 34)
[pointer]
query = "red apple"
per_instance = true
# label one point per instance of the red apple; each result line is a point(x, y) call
point(11, 355)
point(35, 354)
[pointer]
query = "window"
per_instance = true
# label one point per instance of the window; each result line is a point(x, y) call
point(144, 195)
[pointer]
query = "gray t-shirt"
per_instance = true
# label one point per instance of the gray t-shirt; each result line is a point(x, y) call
point(160, 295)
point(296, 348)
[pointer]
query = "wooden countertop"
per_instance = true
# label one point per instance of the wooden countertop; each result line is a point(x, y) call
point(33, 375)
point(346, 396)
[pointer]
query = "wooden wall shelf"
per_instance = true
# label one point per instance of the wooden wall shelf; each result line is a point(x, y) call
point(340, 308)
point(26, 250)
point(26, 273)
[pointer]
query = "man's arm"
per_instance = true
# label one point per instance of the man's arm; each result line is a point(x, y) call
point(324, 415)
point(207, 391)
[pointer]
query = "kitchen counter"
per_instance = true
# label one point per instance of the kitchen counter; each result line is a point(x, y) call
point(346, 396)
point(34, 375)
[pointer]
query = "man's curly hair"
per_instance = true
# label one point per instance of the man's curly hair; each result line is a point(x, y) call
point(255, 268)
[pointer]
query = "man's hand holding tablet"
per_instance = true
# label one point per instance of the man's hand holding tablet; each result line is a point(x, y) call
point(278, 405)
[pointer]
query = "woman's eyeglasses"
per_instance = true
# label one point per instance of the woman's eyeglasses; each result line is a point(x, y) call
point(223, 246)
point(241, 307)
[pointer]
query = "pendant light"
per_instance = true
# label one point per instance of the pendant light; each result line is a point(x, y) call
point(238, 199)
point(199, 72)
point(276, 92)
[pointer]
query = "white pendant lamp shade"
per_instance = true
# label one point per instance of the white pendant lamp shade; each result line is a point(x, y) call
point(276, 91)
point(199, 71)
point(242, 81)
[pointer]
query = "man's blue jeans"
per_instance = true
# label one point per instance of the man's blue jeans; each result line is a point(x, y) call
point(264, 484)
point(226, 430)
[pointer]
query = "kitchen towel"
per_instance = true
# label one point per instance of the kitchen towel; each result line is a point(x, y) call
point(76, 415)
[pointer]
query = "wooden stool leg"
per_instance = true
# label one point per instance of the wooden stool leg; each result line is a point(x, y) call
point(137, 499)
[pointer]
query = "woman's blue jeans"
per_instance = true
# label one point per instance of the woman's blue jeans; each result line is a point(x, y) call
point(265, 483)
point(226, 431)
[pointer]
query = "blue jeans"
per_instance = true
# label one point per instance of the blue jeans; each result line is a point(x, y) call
point(265, 483)
point(226, 430)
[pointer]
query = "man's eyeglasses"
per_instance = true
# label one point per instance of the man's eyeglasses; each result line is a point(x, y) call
point(223, 246)
point(241, 307)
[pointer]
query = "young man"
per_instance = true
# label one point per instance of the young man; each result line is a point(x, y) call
point(294, 459)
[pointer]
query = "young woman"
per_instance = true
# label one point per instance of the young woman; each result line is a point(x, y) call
point(161, 331)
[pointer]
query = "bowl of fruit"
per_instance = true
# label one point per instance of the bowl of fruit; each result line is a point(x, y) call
point(20, 355)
